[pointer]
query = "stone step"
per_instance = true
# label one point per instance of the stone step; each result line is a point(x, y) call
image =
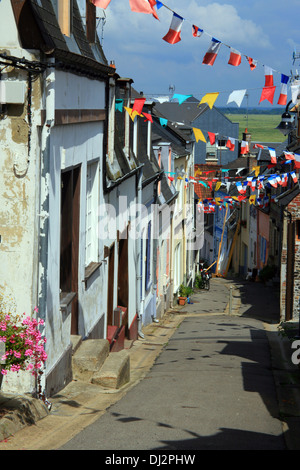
point(115, 371)
point(89, 358)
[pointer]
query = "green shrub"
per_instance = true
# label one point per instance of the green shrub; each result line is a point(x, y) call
point(185, 291)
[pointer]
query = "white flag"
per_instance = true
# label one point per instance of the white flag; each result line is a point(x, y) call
point(237, 96)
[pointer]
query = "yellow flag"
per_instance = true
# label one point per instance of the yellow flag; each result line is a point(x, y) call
point(131, 113)
point(257, 170)
point(218, 185)
point(198, 134)
point(210, 99)
point(217, 200)
point(252, 199)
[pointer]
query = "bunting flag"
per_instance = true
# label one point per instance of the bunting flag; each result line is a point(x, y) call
point(289, 156)
point(272, 155)
point(209, 99)
point(152, 3)
point(131, 112)
point(148, 117)
point(267, 94)
point(244, 147)
point(197, 32)
point(163, 122)
point(101, 3)
point(268, 76)
point(141, 6)
point(212, 138)
point(293, 175)
point(252, 199)
point(173, 35)
point(230, 143)
point(252, 63)
point(212, 52)
point(237, 96)
point(138, 105)
point(235, 58)
point(119, 105)
point(181, 98)
point(159, 4)
point(282, 100)
point(198, 135)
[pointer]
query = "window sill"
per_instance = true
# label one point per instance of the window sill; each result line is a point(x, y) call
point(66, 299)
point(90, 270)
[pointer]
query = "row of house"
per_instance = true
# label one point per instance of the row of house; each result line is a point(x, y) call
point(94, 230)
point(254, 232)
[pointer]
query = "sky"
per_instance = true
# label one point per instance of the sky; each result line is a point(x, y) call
point(266, 30)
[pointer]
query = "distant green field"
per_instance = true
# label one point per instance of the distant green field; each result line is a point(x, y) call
point(261, 126)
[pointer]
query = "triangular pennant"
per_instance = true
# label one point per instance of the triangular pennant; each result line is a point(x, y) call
point(181, 98)
point(268, 94)
point(198, 135)
point(237, 96)
point(138, 105)
point(209, 99)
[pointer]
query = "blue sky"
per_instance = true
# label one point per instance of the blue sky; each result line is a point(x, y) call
point(266, 30)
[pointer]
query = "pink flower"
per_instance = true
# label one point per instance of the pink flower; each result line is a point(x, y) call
point(3, 372)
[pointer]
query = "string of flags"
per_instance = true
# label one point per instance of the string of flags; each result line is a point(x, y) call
point(173, 36)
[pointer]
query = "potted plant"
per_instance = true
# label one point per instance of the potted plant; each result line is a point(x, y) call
point(24, 344)
point(183, 293)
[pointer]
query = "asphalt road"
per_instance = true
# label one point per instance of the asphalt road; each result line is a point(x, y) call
point(211, 388)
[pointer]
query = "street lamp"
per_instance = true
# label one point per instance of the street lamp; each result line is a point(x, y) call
point(287, 121)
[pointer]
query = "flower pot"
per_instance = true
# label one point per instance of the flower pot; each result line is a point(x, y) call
point(181, 300)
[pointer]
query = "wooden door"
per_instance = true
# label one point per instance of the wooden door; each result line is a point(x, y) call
point(69, 241)
point(289, 298)
point(110, 286)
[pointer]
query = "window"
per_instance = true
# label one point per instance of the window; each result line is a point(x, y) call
point(91, 230)
point(64, 11)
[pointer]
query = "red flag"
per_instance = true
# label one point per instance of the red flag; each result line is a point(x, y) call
point(152, 3)
point(235, 58)
point(101, 3)
point(212, 138)
point(138, 104)
point(268, 94)
point(173, 35)
point(141, 6)
point(212, 52)
point(148, 117)
point(252, 63)
point(230, 143)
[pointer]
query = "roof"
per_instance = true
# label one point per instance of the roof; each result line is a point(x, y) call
point(285, 198)
point(185, 113)
point(39, 30)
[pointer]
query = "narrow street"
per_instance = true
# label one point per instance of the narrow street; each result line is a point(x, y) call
point(201, 379)
point(212, 388)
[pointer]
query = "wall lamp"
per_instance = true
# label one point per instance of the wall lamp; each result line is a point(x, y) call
point(287, 123)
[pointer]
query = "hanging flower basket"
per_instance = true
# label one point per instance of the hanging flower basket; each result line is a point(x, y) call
point(23, 344)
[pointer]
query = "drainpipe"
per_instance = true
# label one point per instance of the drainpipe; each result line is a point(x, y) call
point(44, 193)
point(139, 300)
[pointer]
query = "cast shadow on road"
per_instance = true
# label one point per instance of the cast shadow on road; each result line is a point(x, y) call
point(228, 439)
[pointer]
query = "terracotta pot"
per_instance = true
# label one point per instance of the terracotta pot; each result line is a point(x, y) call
point(181, 300)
